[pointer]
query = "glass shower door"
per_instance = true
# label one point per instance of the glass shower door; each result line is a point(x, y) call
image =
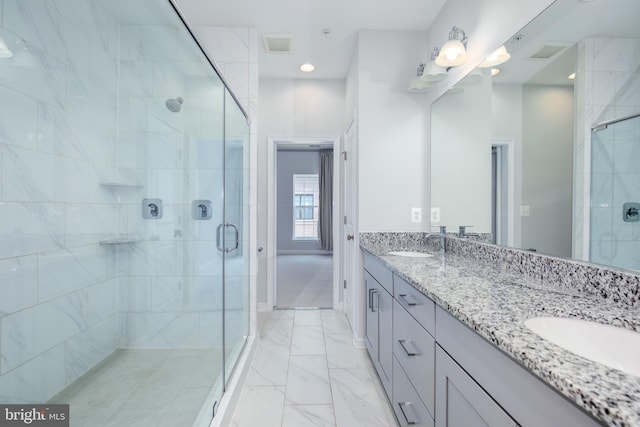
point(236, 235)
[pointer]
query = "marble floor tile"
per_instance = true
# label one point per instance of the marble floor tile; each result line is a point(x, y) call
point(261, 406)
point(336, 323)
point(277, 331)
point(308, 381)
point(308, 318)
point(357, 401)
point(308, 416)
point(307, 340)
point(269, 366)
point(342, 354)
point(338, 388)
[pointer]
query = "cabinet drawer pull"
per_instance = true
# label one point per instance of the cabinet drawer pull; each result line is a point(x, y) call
point(408, 299)
point(404, 344)
point(409, 421)
point(372, 306)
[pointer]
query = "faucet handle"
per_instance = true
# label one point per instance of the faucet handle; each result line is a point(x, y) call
point(462, 230)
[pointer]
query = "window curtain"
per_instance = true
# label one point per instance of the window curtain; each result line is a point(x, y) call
point(325, 220)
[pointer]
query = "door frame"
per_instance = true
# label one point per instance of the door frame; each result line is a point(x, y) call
point(508, 159)
point(272, 216)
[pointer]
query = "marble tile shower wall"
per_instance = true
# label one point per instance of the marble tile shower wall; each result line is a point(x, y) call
point(607, 87)
point(615, 168)
point(58, 116)
point(171, 294)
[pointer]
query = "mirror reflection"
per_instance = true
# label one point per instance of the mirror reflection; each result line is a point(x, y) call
point(543, 151)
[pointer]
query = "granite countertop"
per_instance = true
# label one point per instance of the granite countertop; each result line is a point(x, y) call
point(495, 303)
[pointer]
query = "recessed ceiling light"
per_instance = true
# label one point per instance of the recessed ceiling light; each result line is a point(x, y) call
point(571, 76)
point(495, 72)
point(307, 67)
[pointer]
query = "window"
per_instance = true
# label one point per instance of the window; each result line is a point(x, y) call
point(305, 207)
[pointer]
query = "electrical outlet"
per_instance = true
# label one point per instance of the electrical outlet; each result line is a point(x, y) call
point(416, 214)
point(435, 214)
point(525, 210)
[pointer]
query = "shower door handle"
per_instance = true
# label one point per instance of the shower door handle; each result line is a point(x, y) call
point(220, 243)
point(237, 236)
point(219, 238)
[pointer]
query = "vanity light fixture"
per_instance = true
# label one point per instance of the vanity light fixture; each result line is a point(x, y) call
point(307, 67)
point(454, 51)
point(499, 56)
point(5, 52)
point(417, 85)
point(433, 72)
point(571, 76)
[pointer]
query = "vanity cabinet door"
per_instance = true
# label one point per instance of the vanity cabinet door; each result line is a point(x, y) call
point(385, 339)
point(378, 329)
point(460, 401)
point(371, 318)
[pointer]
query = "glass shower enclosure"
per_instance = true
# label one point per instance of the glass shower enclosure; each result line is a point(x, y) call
point(615, 193)
point(123, 214)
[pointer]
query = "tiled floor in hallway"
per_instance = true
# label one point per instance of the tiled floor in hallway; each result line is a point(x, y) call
point(306, 372)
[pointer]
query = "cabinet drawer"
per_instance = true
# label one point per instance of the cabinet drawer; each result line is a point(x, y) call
point(418, 305)
point(415, 350)
point(407, 406)
point(379, 271)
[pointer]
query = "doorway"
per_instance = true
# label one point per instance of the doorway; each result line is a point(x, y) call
point(303, 209)
point(502, 192)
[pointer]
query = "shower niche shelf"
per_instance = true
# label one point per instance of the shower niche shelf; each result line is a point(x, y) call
point(123, 240)
point(120, 185)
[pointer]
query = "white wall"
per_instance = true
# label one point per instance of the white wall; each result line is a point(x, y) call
point(547, 175)
point(461, 152)
point(391, 134)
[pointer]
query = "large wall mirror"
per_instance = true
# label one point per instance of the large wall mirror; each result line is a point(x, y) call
point(545, 155)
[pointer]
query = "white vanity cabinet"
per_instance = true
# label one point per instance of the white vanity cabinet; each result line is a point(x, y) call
point(379, 319)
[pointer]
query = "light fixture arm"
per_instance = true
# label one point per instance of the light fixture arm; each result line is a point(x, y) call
point(455, 34)
point(435, 53)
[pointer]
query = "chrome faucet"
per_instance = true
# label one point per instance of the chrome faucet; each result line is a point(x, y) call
point(443, 235)
point(462, 231)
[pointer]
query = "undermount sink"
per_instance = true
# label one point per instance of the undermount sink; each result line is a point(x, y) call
point(410, 254)
point(611, 346)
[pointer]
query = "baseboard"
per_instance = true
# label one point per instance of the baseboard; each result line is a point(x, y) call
point(304, 252)
point(358, 342)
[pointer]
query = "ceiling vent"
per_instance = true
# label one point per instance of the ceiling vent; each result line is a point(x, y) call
point(277, 43)
point(548, 51)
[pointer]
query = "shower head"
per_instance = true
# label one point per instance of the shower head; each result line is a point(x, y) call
point(174, 104)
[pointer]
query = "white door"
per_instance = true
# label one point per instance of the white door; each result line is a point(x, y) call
point(349, 237)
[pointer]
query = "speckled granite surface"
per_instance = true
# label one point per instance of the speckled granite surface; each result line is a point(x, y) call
point(495, 299)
